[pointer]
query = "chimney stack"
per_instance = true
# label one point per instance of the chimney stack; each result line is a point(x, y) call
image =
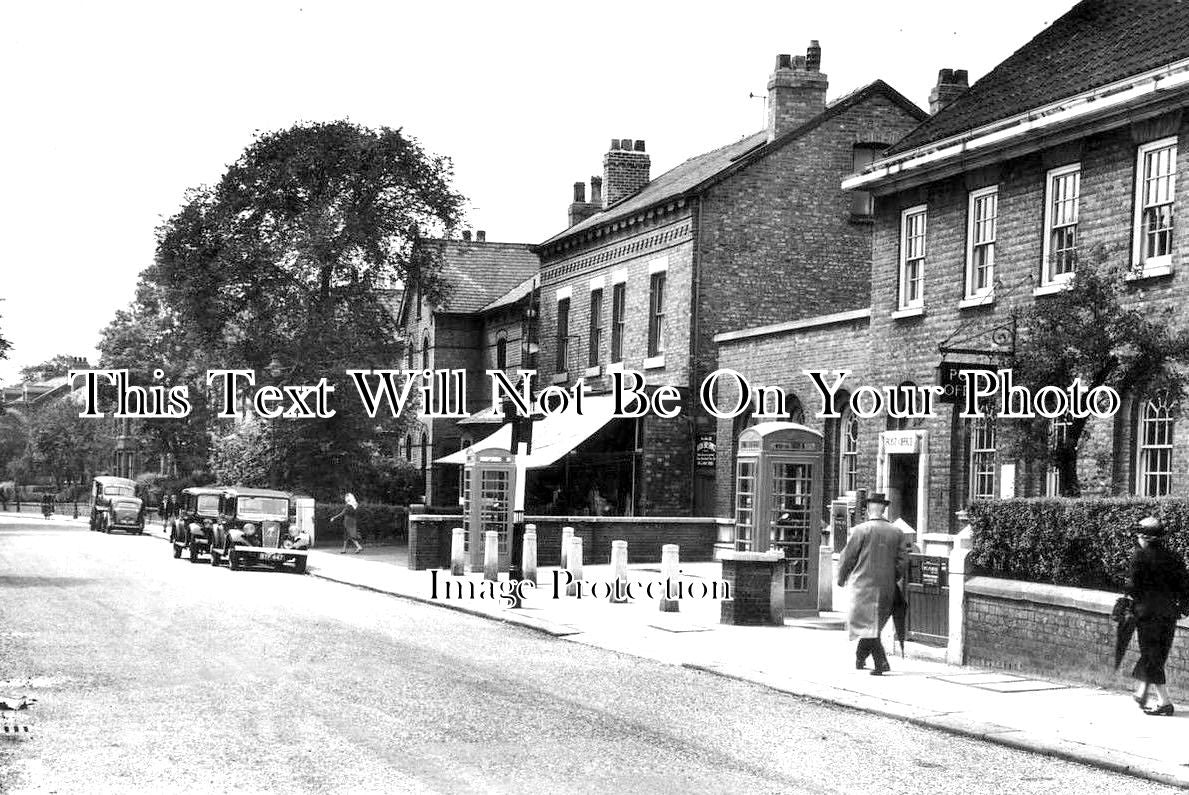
point(466, 235)
point(796, 91)
point(951, 84)
point(596, 191)
point(625, 169)
point(580, 208)
point(481, 236)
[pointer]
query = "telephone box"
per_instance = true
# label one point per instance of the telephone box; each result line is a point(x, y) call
point(778, 499)
point(488, 488)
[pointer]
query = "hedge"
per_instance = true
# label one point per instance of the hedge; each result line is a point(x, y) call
point(376, 521)
point(1082, 542)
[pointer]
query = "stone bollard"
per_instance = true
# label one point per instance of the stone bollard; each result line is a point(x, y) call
point(619, 570)
point(669, 572)
point(491, 555)
point(458, 558)
point(528, 563)
point(567, 534)
point(825, 577)
point(574, 565)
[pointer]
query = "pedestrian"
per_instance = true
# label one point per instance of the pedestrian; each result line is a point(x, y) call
point(1158, 586)
point(47, 504)
point(874, 559)
point(350, 525)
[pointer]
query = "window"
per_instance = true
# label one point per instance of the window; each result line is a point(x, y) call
point(848, 453)
point(425, 451)
point(983, 213)
point(618, 301)
point(912, 257)
point(1058, 432)
point(1156, 175)
point(501, 352)
point(1154, 459)
point(596, 328)
point(411, 355)
point(982, 459)
point(1062, 192)
point(563, 335)
point(409, 448)
point(656, 314)
point(425, 352)
point(862, 203)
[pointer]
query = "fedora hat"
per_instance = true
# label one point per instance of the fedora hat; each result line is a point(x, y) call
point(1149, 526)
point(879, 497)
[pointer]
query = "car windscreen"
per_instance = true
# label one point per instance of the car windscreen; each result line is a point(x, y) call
point(118, 491)
point(208, 504)
point(262, 508)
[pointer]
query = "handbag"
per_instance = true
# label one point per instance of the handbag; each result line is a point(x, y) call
point(1123, 610)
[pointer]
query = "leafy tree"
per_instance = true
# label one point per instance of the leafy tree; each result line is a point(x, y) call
point(58, 365)
point(66, 446)
point(1101, 331)
point(14, 436)
point(5, 347)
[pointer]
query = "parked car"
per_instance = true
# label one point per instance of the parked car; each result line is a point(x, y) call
point(259, 527)
point(114, 504)
point(193, 528)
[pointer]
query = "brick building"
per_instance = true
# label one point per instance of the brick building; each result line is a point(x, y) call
point(1068, 149)
point(485, 322)
point(650, 270)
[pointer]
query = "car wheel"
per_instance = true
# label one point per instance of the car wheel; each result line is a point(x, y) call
point(177, 550)
point(106, 525)
point(193, 552)
point(299, 564)
point(233, 558)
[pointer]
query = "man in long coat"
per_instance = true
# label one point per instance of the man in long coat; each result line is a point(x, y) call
point(875, 555)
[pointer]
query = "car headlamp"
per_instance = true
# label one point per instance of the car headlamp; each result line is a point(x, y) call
point(249, 528)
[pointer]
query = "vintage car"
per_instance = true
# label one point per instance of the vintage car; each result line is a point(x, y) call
point(193, 528)
point(114, 504)
point(259, 527)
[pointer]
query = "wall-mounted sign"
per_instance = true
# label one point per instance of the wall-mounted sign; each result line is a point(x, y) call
point(706, 451)
point(899, 441)
point(950, 380)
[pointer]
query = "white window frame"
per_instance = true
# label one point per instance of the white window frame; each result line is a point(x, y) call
point(848, 457)
point(1162, 264)
point(1047, 277)
point(972, 224)
point(1145, 451)
point(904, 302)
point(978, 468)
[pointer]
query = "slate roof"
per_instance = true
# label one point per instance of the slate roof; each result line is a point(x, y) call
point(1095, 43)
point(478, 273)
point(515, 294)
point(699, 172)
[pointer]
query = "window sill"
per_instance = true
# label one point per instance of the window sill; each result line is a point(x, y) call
point(592, 372)
point(912, 311)
point(560, 378)
point(1149, 271)
point(615, 367)
point(653, 362)
point(1052, 288)
point(977, 301)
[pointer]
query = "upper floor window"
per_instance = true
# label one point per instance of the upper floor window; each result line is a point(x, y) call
point(425, 352)
point(848, 453)
point(563, 335)
point(501, 351)
point(983, 214)
point(656, 314)
point(595, 342)
point(412, 354)
point(1154, 440)
point(618, 303)
point(1062, 191)
point(1156, 177)
point(862, 203)
point(982, 459)
point(912, 257)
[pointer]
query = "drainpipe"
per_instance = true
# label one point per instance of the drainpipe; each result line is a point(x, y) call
point(695, 294)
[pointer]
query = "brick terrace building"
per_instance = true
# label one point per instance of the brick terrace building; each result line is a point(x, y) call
point(650, 270)
point(1069, 148)
point(484, 323)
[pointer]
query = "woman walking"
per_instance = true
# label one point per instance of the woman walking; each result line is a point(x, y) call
point(350, 526)
point(1156, 583)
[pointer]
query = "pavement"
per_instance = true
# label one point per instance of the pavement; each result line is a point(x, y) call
point(811, 658)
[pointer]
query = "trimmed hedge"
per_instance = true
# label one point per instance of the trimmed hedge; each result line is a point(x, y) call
point(1082, 542)
point(377, 522)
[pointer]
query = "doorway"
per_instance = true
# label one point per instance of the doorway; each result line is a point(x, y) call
point(903, 483)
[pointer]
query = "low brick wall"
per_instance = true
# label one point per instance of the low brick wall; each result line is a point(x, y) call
point(1051, 629)
point(429, 538)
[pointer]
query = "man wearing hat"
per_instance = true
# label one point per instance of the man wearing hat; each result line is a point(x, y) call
point(875, 555)
point(1158, 585)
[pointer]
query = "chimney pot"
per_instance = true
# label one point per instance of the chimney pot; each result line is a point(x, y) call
point(945, 76)
point(951, 84)
point(481, 236)
point(466, 235)
point(579, 191)
point(639, 145)
point(614, 144)
point(813, 56)
point(961, 77)
point(596, 190)
point(798, 61)
point(784, 61)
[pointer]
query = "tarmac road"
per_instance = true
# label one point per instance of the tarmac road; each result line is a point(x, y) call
point(157, 675)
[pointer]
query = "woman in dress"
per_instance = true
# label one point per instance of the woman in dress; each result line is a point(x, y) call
point(1157, 583)
point(350, 526)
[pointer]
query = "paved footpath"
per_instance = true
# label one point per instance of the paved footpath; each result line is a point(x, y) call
point(814, 658)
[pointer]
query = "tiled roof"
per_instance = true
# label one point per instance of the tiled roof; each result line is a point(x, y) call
point(1096, 43)
point(478, 273)
point(515, 294)
point(697, 172)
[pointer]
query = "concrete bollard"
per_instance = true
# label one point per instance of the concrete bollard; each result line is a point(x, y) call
point(619, 570)
point(669, 572)
point(567, 534)
point(528, 563)
point(574, 565)
point(458, 558)
point(491, 555)
point(825, 577)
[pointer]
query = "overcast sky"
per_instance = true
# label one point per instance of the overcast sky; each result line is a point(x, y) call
point(114, 109)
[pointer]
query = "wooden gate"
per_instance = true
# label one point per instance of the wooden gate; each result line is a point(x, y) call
point(928, 599)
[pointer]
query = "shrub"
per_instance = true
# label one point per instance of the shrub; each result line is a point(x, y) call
point(1082, 542)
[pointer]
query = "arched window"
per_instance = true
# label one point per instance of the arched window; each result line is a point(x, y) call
point(409, 448)
point(425, 352)
point(982, 459)
point(501, 351)
point(1154, 448)
point(412, 353)
point(425, 451)
point(848, 452)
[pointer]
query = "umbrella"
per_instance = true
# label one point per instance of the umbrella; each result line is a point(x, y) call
point(900, 616)
point(1125, 616)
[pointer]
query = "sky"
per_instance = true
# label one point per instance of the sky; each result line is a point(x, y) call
point(114, 109)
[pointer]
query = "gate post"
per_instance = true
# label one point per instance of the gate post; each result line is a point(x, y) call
point(955, 650)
